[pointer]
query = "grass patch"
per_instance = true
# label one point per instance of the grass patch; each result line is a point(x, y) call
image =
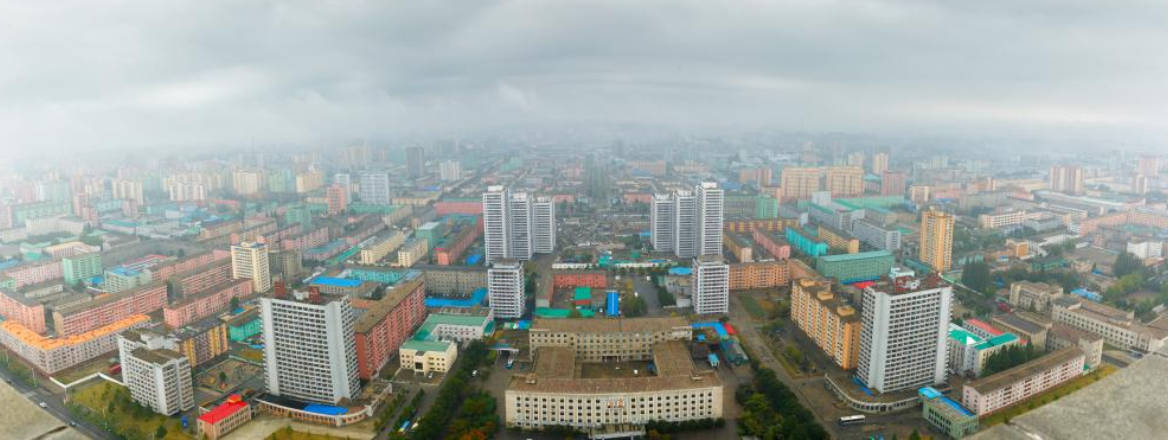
point(108, 405)
point(286, 433)
point(1047, 396)
point(753, 308)
point(251, 354)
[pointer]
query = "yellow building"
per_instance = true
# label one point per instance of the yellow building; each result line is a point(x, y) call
point(833, 325)
point(798, 182)
point(838, 240)
point(937, 240)
point(845, 181)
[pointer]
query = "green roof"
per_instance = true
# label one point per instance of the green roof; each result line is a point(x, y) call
point(548, 312)
point(414, 344)
point(582, 293)
point(1002, 339)
point(964, 336)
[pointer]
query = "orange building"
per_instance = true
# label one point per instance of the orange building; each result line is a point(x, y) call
point(758, 224)
point(833, 325)
point(758, 275)
point(597, 279)
point(845, 181)
point(50, 355)
point(838, 240)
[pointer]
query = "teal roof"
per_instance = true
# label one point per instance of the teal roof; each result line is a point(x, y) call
point(582, 293)
point(1002, 339)
point(964, 336)
point(414, 344)
point(856, 256)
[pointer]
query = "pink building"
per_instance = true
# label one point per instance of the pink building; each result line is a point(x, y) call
point(34, 273)
point(202, 278)
point(317, 237)
point(448, 255)
point(165, 271)
point(106, 309)
point(210, 302)
point(15, 307)
point(776, 246)
point(1002, 389)
point(468, 207)
point(387, 323)
point(630, 198)
point(338, 199)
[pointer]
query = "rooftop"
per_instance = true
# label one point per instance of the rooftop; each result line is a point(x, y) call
point(856, 256)
point(414, 344)
point(233, 404)
point(31, 338)
point(618, 325)
point(382, 307)
point(1015, 374)
point(1021, 323)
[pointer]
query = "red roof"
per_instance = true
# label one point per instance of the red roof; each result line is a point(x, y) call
point(233, 404)
point(983, 326)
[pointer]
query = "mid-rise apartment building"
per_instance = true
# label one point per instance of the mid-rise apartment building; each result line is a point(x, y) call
point(250, 260)
point(1034, 296)
point(158, 376)
point(711, 285)
point(386, 324)
point(827, 320)
point(373, 187)
point(937, 240)
point(1117, 327)
point(1000, 390)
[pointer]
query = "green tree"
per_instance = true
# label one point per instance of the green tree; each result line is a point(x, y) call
point(161, 432)
point(976, 275)
point(234, 303)
point(1127, 263)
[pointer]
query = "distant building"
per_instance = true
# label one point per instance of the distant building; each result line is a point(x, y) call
point(415, 161)
point(1067, 179)
point(337, 198)
point(937, 240)
point(373, 187)
point(450, 170)
point(81, 267)
point(902, 335)
point(1034, 296)
point(711, 285)
point(845, 181)
point(688, 223)
point(880, 164)
point(309, 350)
point(1117, 327)
point(798, 183)
point(516, 224)
point(505, 285)
point(250, 260)
point(158, 376)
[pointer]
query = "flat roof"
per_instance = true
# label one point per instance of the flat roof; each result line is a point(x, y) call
point(617, 325)
point(1128, 404)
point(377, 311)
point(1005, 378)
point(414, 344)
point(856, 256)
point(335, 282)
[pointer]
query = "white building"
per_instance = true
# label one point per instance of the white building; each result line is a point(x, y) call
point(505, 289)
point(516, 224)
point(711, 285)
point(345, 180)
point(661, 223)
point(1146, 249)
point(450, 170)
point(310, 353)
point(989, 394)
point(903, 336)
point(877, 236)
point(685, 229)
point(1117, 327)
point(710, 203)
point(543, 227)
point(158, 376)
point(374, 187)
point(250, 260)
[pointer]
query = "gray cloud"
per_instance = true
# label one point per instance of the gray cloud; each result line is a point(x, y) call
point(75, 75)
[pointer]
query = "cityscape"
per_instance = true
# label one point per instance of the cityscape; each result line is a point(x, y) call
point(625, 270)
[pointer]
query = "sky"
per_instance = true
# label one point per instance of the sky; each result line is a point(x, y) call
point(84, 75)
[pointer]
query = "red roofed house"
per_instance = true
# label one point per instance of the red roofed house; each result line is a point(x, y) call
point(981, 328)
point(224, 418)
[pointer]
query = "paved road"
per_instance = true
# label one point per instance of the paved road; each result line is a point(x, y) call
point(648, 291)
point(55, 406)
point(750, 336)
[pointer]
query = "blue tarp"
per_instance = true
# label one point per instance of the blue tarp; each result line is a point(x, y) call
point(327, 410)
point(717, 326)
point(336, 282)
point(863, 387)
point(474, 259)
point(475, 299)
point(680, 271)
point(612, 305)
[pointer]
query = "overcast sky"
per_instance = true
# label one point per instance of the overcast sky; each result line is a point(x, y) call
point(110, 74)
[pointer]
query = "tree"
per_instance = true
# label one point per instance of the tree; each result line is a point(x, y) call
point(222, 377)
point(976, 275)
point(161, 432)
point(1127, 263)
point(234, 302)
point(914, 436)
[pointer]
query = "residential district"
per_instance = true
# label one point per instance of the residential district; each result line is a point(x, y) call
point(540, 289)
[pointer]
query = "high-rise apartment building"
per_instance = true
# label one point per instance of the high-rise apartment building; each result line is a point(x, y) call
point(856, 159)
point(892, 183)
point(937, 239)
point(511, 228)
point(337, 198)
point(827, 320)
point(689, 223)
point(415, 161)
point(345, 180)
point(710, 204)
point(374, 187)
point(450, 170)
point(310, 352)
point(158, 376)
point(661, 222)
point(505, 289)
point(1066, 179)
point(903, 335)
point(1139, 184)
point(711, 285)
point(248, 182)
point(845, 181)
point(543, 227)
point(250, 260)
point(127, 190)
point(879, 163)
point(798, 183)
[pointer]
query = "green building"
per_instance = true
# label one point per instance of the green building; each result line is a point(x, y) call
point(850, 268)
point(281, 181)
point(244, 325)
point(298, 213)
point(370, 208)
point(431, 231)
point(946, 415)
point(26, 211)
point(81, 267)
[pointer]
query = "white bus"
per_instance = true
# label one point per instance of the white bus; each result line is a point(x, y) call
point(852, 420)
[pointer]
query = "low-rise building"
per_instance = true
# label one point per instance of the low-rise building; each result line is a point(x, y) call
point(453, 280)
point(1116, 326)
point(377, 249)
point(969, 352)
point(1063, 336)
point(1032, 328)
point(946, 415)
point(597, 340)
point(1000, 390)
point(50, 355)
point(759, 275)
point(1033, 296)
point(423, 356)
point(222, 419)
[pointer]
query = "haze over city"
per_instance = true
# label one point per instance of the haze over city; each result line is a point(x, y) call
point(523, 220)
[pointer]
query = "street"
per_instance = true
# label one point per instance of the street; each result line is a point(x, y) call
point(55, 406)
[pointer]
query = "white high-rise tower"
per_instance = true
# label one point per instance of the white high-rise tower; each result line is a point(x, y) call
point(903, 336)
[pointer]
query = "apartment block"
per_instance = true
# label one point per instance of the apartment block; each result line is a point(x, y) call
point(16, 307)
point(249, 260)
point(877, 236)
point(505, 289)
point(310, 353)
point(203, 341)
point(80, 317)
point(212, 301)
point(386, 324)
point(1117, 327)
point(759, 275)
point(850, 268)
point(50, 355)
point(711, 285)
point(81, 267)
point(1000, 390)
point(1032, 296)
point(825, 319)
point(158, 376)
point(937, 240)
point(903, 329)
point(377, 249)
